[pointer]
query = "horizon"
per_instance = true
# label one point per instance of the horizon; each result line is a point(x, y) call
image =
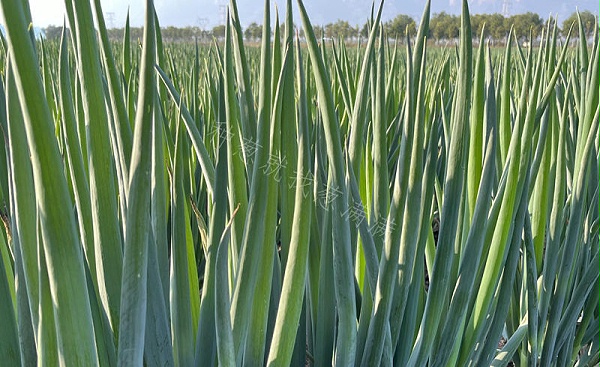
point(206, 14)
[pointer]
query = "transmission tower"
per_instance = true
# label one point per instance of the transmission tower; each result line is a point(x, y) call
point(202, 22)
point(110, 19)
point(223, 13)
point(506, 8)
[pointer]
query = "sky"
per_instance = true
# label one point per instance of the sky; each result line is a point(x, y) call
point(209, 13)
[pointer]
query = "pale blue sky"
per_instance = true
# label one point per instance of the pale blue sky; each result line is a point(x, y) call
point(207, 13)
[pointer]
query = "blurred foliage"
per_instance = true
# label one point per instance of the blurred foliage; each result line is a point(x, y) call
point(443, 26)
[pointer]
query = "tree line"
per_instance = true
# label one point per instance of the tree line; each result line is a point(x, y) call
point(442, 26)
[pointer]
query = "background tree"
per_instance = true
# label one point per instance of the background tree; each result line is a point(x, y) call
point(182, 34)
point(135, 34)
point(53, 32)
point(364, 30)
point(218, 31)
point(523, 23)
point(319, 31)
point(253, 32)
point(444, 26)
point(396, 28)
point(477, 22)
point(496, 26)
point(587, 18)
point(340, 29)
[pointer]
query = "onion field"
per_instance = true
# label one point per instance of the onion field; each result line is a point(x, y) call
point(308, 202)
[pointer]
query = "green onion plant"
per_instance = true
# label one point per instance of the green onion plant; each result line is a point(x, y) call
point(308, 202)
